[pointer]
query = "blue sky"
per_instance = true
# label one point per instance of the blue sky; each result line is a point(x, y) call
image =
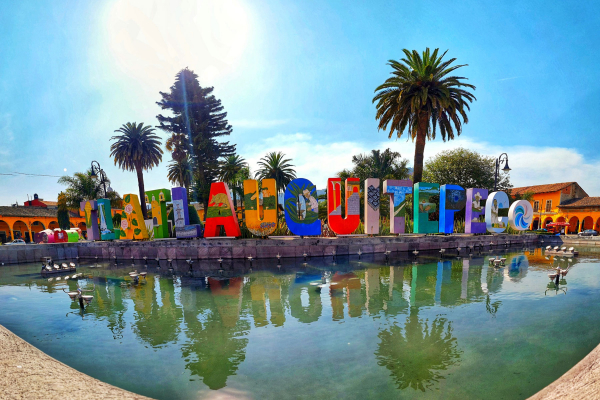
point(293, 76)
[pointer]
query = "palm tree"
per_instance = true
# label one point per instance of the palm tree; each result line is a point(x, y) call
point(421, 96)
point(379, 164)
point(275, 166)
point(82, 186)
point(179, 172)
point(137, 149)
point(229, 169)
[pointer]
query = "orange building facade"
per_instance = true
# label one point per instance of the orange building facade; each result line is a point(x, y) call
point(22, 222)
point(562, 202)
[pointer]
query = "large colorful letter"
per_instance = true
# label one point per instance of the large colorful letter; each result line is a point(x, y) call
point(302, 223)
point(452, 199)
point(425, 199)
point(133, 225)
point(181, 214)
point(495, 202)
point(107, 230)
point(474, 210)
point(372, 202)
point(220, 212)
point(338, 224)
point(90, 208)
point(520, 215)
point(158, 200)
point(256, 225)
point(397, 191)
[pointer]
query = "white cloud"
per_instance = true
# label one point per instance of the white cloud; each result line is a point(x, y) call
point(530, 165)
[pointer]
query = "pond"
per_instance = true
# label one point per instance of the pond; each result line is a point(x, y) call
point(349, 328)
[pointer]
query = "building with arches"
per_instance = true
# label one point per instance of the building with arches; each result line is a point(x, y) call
point(22, 222)
point(562, 202)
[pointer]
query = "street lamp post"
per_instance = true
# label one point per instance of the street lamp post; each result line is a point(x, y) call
point(503, 158)
point(98, 172)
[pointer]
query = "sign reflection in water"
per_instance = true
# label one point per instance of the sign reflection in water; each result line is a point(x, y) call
point(209, 320)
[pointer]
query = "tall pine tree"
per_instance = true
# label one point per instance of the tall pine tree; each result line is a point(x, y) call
point(197, 124)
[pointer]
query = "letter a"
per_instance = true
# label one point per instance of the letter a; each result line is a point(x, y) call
point(220, 212)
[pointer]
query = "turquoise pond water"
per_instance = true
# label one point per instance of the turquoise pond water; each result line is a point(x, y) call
point(454, 329)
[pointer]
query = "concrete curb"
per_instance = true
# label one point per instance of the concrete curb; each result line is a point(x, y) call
point(29, 373)
point(580, 382)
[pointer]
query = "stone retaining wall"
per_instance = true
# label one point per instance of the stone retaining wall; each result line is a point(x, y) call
point(256, 248)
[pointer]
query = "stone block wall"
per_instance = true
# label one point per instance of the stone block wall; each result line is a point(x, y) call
point(213, 249)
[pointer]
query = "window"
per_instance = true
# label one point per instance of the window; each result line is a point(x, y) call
point(536, 206)
point(548, 205)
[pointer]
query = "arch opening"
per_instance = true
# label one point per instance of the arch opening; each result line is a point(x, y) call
point(573, 225)
point(21, 231)
point(5, 235)
point(587, 223)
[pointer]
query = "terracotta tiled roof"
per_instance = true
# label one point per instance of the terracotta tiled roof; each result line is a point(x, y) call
point(581, 202)
point(20, 211)
point(50, 203)
point(552, 187)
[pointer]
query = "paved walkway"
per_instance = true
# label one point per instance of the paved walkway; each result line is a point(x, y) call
point(28, 373)
point(580, 382)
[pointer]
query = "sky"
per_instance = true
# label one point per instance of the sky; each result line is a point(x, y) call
point(293, 76)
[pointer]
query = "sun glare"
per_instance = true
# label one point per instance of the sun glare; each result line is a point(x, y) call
point(152, 40)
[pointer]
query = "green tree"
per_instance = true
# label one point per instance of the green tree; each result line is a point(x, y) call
point(63, 212)
point(420, 96)
point(379, 164)
point(82, 186)
point(137, 149)
point(240, 177)
point(230, 169)
point(275, 166)
point(466, 168)
point(197, 124)
point(179, 172)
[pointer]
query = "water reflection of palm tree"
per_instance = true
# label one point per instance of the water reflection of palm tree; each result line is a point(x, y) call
point(156, 324)
point(416, 354)
point(108, 304)
point(492, 307)
point(216, 344)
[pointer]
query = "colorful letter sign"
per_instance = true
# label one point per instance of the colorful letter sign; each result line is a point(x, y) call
point(158, 201)
point(338, 224)
point(90, 208)
point(474, 210)
point(425, 204)
point(256, 225)
point(452, 199)
point(132, 219)
point(397, 190)
point(302, 222)
point(372, 203)
point(220, 212)
point(107, 230)
point(495, 202)
point(181, 214)
point(520, 215)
